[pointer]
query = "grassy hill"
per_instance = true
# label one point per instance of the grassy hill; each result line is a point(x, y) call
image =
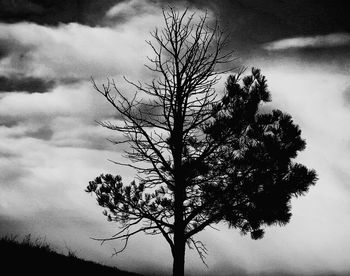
point(38, 258)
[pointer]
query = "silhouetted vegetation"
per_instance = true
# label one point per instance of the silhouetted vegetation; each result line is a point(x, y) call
point(200, 158)
point(36, 257)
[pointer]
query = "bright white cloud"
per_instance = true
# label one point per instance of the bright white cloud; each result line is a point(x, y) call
point(75, 51)
point(72, 50)
point(77, 100)
point(319, 41)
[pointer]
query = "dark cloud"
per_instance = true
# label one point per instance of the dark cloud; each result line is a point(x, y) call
point(251, 24)
point(20, 83)
point(255, 21)
point(90, 142)
point(9, 46)
point(346, 95)
point(43, 133)
point(7, 121)
point(20, 8)
point(53, 12)
point(3, 51)
point(263, 21)
point(8, 154)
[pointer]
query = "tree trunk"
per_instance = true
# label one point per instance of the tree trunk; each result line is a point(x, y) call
point(179, 227)
point(180, 191)
point(179, 233)
point(179, 259)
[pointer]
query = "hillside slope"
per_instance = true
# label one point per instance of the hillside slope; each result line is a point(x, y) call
point(37, 258)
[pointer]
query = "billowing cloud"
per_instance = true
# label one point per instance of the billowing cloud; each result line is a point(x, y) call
point(319, 41)
point(65, 100)
point(72, 51)
point(66, 117)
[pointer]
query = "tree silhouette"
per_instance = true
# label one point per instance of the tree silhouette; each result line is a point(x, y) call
point(200, 159)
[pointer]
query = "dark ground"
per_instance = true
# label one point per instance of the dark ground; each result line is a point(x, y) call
point(36, 257)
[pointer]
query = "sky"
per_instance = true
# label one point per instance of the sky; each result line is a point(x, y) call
point(51, 145)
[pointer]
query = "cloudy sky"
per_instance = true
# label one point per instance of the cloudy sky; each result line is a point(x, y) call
point(50, 145)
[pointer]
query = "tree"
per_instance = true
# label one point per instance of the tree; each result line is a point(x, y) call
point(200, 159)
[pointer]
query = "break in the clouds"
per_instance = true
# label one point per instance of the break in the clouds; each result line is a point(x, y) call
point(319, 41)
